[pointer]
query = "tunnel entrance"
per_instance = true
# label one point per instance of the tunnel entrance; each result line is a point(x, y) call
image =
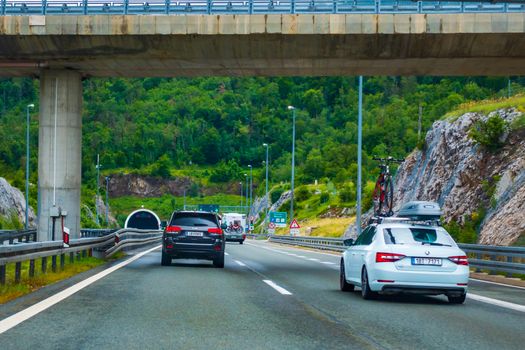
point(143, 219)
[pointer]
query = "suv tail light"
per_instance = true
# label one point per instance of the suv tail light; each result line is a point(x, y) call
point(388, 257)
point(173, 229)
point(215, 230)
point(460, 260)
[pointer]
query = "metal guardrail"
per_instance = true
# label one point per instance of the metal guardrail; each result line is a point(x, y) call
point(200, 7)
point(15, 236)
point(481, 257)
point(106, 246)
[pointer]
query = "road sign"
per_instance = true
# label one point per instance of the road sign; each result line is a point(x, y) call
point(212, 208)
point(294, 224)
point(295, 232)
point(278, 218)
point(271, 225)
point(271, 231)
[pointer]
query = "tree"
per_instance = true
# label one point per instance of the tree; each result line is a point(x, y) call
point(489, 133)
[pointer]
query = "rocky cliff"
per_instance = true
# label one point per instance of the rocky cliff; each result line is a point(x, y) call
point(468, 180)
point(12, 202)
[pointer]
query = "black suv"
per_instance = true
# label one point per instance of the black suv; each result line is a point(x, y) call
point(193, 235)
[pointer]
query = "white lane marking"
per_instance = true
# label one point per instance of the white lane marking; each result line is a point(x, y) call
point(240, 263)
point(499, 284)
point(327, 263)
point(334, 255)
point(313, 259)
point(226, 253)
point(496, 302)
point(301, 256)
point(277, 288)
point(13, 320)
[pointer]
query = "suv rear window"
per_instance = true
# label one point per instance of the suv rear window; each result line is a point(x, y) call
point(193, 219)
point(416, 235)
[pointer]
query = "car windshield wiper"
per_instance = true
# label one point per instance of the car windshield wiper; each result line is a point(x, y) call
point(438, 244)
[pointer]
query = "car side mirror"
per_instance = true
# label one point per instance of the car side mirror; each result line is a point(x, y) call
point(224, 226)
point(348, 242)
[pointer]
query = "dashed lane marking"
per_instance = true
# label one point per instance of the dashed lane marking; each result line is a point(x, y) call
point(277, 288)
point(240, 263)
point(500, 303)
point(12, 321)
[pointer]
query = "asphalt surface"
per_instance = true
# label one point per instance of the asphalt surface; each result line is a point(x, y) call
point(192, 305)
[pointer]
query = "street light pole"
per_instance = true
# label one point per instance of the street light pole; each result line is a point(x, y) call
point(27, 164)
point(107, 200)
point(251, 191)
point(96, 199)
point(359, 146)
point(292, 108)
point(267, 198)
point(240, 183)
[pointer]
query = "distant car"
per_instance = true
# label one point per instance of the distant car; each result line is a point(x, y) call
point(234, 231)
point(404, 257)
point(193, 235)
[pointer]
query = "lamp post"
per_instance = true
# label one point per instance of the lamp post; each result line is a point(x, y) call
point(107, 200)
point(267, 198)
point(240, 184)
point(292, 108)
point(96, 199)
point(359, 146)
point(27, 164)
point(251, 192)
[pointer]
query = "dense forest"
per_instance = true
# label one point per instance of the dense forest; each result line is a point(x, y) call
point(222, 122)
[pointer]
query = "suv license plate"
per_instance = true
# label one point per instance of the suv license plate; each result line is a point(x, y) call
point(427, 261)
point(194, 234)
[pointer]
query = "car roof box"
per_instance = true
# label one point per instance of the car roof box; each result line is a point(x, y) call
point(420, 210)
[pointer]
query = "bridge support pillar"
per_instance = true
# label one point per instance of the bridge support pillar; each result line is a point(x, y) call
point(59, 153)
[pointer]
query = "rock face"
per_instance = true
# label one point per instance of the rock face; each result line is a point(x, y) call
point(12, 202)
point(464, 177)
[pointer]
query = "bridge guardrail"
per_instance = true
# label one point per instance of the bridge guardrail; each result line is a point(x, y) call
point(15, 236)
point(481, 257)
point(200, 7)
point(106, 245)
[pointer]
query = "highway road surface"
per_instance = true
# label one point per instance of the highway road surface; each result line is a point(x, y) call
point(267, 297)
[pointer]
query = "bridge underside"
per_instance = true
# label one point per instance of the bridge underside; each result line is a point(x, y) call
point(269, 45)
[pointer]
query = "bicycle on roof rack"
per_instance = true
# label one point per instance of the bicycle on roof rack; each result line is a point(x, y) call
point(383, 196)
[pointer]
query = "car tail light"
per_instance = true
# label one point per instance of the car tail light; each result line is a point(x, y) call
point(217, 248)
point(215, 230)
point(388, 257)
point(460, 260)
point(169, 246)
point(173, 229)
point(243, 236)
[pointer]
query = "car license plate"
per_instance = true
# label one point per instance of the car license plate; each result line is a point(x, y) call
point(194, 234)
point(427, 261)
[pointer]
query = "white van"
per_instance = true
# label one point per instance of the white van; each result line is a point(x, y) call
point(235, 223)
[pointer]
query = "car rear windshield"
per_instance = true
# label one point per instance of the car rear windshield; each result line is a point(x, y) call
point(194, 219)
point(414, 235)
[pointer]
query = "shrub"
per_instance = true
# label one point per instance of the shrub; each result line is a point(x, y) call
point(347, 194)
point(276, 194)
point(325, 197)
point(488, 133)
point(302, 193)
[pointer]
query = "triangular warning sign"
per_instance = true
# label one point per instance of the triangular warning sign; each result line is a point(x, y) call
point(294, 224)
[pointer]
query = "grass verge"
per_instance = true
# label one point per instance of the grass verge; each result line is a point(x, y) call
point(488, 106)
point(27, 285)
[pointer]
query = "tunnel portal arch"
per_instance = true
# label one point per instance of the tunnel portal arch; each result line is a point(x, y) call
point(143, 219)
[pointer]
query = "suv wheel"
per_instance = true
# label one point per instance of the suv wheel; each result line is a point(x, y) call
point(366, 292)
point(345, 286)
point(219, 262)
point(457, 299)
point(165, 260)
point(241, 242)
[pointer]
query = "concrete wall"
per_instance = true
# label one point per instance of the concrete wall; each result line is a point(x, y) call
point(343, 44)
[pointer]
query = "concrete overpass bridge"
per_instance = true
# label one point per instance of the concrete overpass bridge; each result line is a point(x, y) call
point(64, 49)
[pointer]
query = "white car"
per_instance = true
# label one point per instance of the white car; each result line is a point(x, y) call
point(403, 257)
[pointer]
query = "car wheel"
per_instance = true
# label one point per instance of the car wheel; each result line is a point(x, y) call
point(455, 299)
point(366, 292)
point(165, 260)
point(241, 242)
point(219, 262)
point(343, 284)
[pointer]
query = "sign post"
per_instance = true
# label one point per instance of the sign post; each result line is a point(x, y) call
point(295, 229)
point(271, 228)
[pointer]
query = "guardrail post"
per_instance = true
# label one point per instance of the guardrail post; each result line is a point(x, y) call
point(209, 6)
point(32, 268)
point(44, 6)
point(85, 5)
point(54, 263)
point(71, 258)
point(78, 256)
point(334, 8)
point(44, 265)
point(492, 258)
point(292, 6)
point(378, 6)
point(18, 271)
point(62, 261)
point(2, 7)
point(84, 253)
point(167, 8)
point(126, 4)
point(509, 260)
point(478, 256)
point(2, 274)
point(250, 7)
